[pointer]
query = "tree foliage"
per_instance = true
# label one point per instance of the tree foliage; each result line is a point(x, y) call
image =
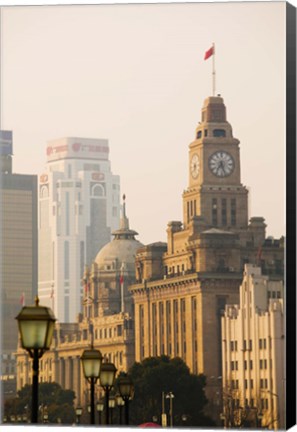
point(58, 403)
point(155, 375)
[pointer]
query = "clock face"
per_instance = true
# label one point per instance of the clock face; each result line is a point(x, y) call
point(221, 164)
point(195, 166)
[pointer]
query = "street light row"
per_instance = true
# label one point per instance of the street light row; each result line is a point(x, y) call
point(36, 327)
point(114, 401)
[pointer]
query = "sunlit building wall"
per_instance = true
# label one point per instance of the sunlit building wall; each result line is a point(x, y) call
point(253, 347)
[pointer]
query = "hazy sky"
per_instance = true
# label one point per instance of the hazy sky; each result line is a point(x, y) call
point(135, 74)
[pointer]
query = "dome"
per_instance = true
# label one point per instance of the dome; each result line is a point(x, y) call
point(121, 250)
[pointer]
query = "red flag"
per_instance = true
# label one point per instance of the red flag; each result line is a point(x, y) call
point(209, 53)
point(121, 279)
point(259, 254)
point(87, 288)
point(22, 299)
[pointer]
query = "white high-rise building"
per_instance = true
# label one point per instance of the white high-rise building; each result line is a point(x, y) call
point(79, 206)
point(253, 335)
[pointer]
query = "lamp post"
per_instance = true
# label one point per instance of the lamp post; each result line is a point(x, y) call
point(126, 389)
point(107, 376)
point(100, 407)
point(259, 420)
point(91, 361)
point(111, 405)
point(170, 396)
point(36, 326)
point(78, 412)
point(120, 404)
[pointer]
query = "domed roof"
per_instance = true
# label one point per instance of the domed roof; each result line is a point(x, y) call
point(122, 248)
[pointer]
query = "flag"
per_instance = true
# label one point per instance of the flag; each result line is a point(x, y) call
point(22, 299)
point(259, 254)
point(209, 53)
point(87, 288)
point(121, 279)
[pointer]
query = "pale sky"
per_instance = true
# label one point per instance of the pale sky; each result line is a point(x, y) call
point(135, 74)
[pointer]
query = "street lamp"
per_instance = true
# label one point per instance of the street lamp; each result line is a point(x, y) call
point(36, 326)
point(170, 396)
point(126, 389)
point(120, 404)
point(111, 405)
point(78, 412)
point(100, 407)
point(259, 420)
point(107, 376)
point(91, 361)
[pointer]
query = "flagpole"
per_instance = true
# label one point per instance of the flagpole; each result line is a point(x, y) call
point(52, 296)
point(213, 71)
point(122, 287)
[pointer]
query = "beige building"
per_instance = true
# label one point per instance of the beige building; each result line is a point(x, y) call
point(107, 319)
point(183, 286)
point(253, 335)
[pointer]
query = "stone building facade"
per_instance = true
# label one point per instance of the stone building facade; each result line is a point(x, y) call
point(253, 336)
point(182, 287)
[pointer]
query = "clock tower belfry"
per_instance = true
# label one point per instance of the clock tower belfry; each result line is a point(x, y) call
point(215, 191)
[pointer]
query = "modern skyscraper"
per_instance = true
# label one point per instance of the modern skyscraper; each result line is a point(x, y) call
point(79, 206)
point(18, 254)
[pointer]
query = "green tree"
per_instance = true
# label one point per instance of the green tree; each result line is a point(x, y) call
point(58, 403)
point(155, 375)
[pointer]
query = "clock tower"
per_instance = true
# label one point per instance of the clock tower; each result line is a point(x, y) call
point(215, 191)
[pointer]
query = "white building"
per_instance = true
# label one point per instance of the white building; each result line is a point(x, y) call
point(79, 206)
point(253, 348)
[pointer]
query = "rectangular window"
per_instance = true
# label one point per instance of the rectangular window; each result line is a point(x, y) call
point(66, 259)
point(67, 213)
point(66, 308)
point(214, 212)
point(82, 258)
point(251, 364)
point(224, 211)
point(233, 211)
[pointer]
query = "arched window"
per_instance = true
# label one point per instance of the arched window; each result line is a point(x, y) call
point(98, 190)
point(44, 191)
point(199, 134)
